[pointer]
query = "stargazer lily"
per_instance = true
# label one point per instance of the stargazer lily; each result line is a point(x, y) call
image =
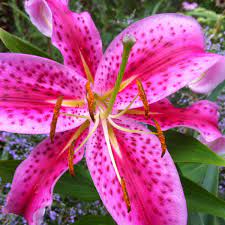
point(92, 105)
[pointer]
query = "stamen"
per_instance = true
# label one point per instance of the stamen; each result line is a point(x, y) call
point(128, 130)
point(116, 147)
point(70, 158)
point(106, 134)
point(89, 135)
point(90, 100)
point(125, 195)
point(86, 69)
point(78, 132)
point(161, 137)
point(55, 117)
point(143, 97)
point(125, 110)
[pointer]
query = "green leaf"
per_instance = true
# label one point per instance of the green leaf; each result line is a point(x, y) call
point(194, 219)
point(184, 148)
point(80, 187)
point(216, 92)
point(95, 220)
point(200, 200)
point(7, 169)
point(206, 176)
point(193, 171)
point(16, 44)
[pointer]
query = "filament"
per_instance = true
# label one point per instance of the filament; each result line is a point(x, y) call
point(125, 110)
point(128, 130)
point(78, 132)
point(89, 135)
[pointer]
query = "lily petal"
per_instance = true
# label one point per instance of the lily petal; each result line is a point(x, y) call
point(29, 85)
point(74, 34)
point(152, 182)
point(35, 178)
point(217, 145)
point(201, 116)
point(213, 77)
point(168, 54)
point(40, 15)
point(171, 78)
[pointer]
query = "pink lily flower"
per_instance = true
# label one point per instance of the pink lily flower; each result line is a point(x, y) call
point(136, 184)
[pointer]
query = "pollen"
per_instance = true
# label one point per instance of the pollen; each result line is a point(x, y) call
point(90, 100)
point(70, 158)
point(161, 137)
point(56, 111)
point(143, 97)
point(125, 195)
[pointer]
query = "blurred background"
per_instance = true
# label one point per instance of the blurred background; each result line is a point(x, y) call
point(110, 16)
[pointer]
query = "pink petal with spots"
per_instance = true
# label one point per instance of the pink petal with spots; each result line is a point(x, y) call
point(201, 116)
point(158, 38)
point(40, 15)
point(73, 34)
point(217, 145)
point(26, 84)
point(35, 178)
point(213, 77)
point(168, 54)
point(168, 78)
point(37, 119)
point(152, 182)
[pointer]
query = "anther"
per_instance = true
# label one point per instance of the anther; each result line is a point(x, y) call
point(70, 158)
point(143, 97)
point(161, 137)
point(90, 100)
point(57, 107)
point(125, 195)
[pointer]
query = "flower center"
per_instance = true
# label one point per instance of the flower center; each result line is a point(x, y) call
point(101, 111)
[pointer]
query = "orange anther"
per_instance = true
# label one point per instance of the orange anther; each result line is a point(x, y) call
point(70, 159)
point(161, 137)
point(143, 97)
point(125, 195)
point(55, 117)
point(90, 100)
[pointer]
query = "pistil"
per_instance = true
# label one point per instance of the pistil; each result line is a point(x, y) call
point(128, 42)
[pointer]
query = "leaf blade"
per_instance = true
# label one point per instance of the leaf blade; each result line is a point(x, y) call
point(16, 44)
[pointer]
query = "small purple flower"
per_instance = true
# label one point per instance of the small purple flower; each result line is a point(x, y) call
point(52, 215)
point(189, 6)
